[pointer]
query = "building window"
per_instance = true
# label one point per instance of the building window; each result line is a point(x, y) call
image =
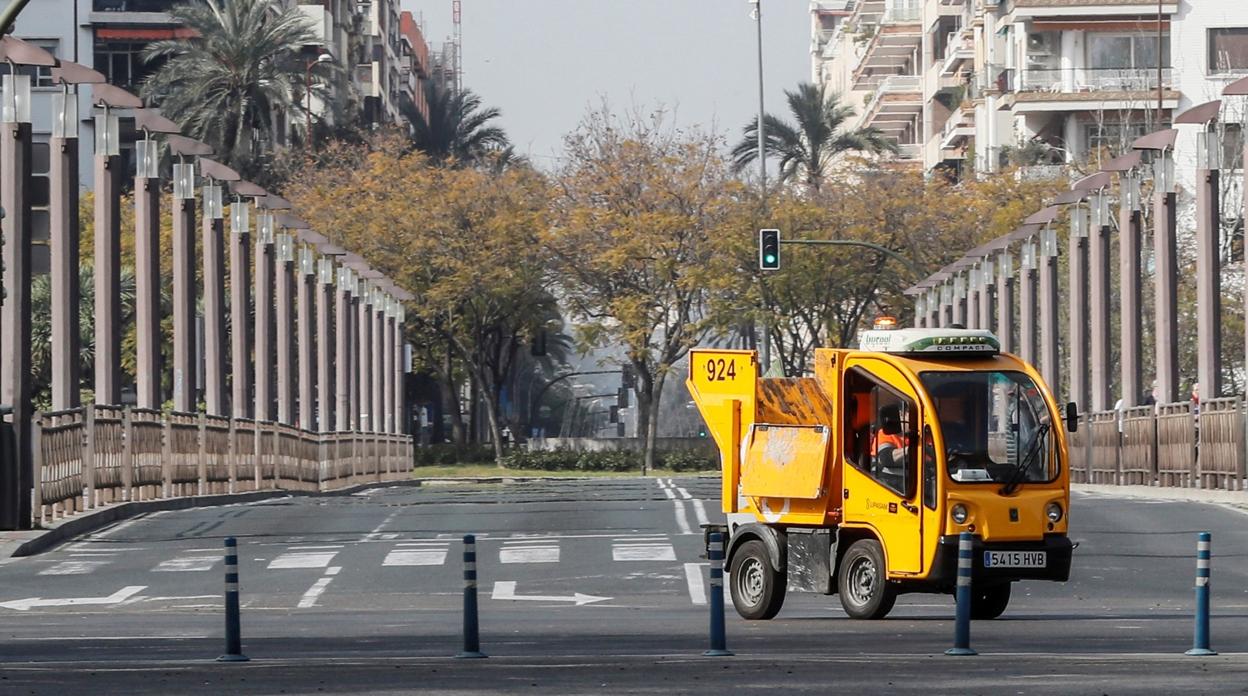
point(1228, 49)
point(1126, 51)
point(1115, 137)
point(40, 76)
point(122, 62)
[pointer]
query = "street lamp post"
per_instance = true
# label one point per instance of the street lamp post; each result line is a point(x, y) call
point(215, 349)
point(147, 255)
point(307, 91)
point(17, 475)
point(63, 221)
point(107, 231)
point(184, 290)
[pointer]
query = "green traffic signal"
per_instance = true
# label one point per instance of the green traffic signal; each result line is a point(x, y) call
point(769, 250)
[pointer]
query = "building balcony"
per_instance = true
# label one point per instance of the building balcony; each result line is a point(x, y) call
point(909, 152)
point(959, 128)
point(959, 52)
point(890, 47)
point(368, 79)
point(1074, 89)
point(321, 22)
point(132, 5)
point(896, 106)
point(1024, 9)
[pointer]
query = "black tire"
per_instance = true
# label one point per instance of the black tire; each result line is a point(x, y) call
point(862, 581)
point(989, 602)
point(757, 589)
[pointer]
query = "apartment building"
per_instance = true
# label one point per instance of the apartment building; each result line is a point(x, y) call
point(110, 36)
point(976, 84)
point(416, 70)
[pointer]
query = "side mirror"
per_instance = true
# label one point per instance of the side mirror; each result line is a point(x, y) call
point(1072, 417)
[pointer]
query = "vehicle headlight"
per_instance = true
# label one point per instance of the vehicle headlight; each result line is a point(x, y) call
point(959, 513)
point(1054, 512)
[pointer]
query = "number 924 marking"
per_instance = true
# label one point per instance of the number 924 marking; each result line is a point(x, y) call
point(720, 370)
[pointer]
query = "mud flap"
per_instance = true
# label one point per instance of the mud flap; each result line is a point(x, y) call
point(809, 560)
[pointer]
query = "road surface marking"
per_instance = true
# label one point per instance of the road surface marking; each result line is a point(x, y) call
point(313, 548)
point(410, 557)
point(643, 552)
point(682, 521)
point(73, 567)
point(423, 544)
point(115, 598)
point(189, 564)
point(700, 511)
point(309, 598)
point(367, 492)
point(506, 589)
point(684, 493)
point(528, 553)
point(303, 560)
point(376, 533)
point(693, 578)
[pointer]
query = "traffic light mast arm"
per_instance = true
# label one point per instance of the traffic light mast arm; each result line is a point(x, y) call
point(537, 400)
point(852, 242)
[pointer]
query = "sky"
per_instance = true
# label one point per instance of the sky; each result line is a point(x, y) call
point(546, 62)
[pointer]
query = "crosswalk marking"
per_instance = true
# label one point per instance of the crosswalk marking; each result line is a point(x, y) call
point(73, 567)
point(414, 557)
point(529, 551)
point(700, 510)
point(186, 565)
point(303, 560)
point(643, 552)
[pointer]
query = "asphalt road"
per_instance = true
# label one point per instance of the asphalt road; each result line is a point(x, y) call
point(586, 587)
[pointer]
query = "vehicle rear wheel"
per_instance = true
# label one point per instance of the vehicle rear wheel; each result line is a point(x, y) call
point(989, 602)
point(757, 589)
point(862, 581)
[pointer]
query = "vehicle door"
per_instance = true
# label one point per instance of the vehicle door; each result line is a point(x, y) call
point(882, 449)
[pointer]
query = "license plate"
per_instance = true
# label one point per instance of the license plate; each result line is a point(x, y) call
point(1015, 559)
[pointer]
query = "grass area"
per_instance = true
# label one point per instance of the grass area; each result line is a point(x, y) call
point(479, 470)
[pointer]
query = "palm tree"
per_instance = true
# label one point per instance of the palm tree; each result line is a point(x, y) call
point(229, 84)
point(457, 129)
point(806, 149)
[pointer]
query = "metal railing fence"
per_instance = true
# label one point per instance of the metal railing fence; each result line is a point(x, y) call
point(95, 455)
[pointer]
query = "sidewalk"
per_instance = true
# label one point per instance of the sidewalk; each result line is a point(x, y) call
point(1194, 495)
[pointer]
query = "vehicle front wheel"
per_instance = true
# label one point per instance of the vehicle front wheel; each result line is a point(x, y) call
point(989, 602)
point(757, 589)
point(862, 581)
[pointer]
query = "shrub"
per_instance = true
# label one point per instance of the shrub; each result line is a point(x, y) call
point(689, 460)
point(452, 454)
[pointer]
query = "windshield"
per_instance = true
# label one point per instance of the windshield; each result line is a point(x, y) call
point(991, 423)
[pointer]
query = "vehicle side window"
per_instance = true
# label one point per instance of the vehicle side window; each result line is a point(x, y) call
point(881, 432)
point(929, 469)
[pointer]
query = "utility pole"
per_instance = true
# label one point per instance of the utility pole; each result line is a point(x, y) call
point(762, 161)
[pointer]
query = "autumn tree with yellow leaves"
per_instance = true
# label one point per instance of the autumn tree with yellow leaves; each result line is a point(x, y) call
point(463, 240)
point(637, 245)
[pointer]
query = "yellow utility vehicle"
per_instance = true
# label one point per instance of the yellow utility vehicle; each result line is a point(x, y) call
point(857, 480)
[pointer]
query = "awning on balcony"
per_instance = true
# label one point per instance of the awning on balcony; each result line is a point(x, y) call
point(143, 33)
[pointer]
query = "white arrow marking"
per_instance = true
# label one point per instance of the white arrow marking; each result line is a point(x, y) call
point(115, 598)
point(506, 589)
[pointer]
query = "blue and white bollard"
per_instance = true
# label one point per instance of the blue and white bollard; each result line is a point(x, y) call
point(233, 631)
point(1200, 638)
point(962, 627)
point(472, 640)
point(715, 552)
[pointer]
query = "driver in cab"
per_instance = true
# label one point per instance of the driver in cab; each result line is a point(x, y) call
point(889, 445)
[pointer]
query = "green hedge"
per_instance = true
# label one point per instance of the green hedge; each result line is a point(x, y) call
point(450, 455)
point(611, 460)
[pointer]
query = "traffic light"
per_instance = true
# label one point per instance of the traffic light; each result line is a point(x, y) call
point(628, 378)
point(537, 348)
point(622, 398)
point(769, 250)
point(614, 415)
